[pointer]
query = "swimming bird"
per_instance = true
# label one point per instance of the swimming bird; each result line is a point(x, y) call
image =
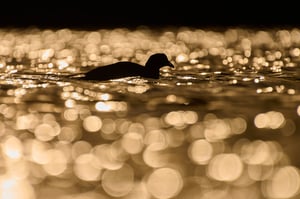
point(128, 69)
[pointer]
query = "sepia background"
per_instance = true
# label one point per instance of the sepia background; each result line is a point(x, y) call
point(224, 123)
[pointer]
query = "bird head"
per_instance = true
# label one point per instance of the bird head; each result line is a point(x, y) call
point(158, 60)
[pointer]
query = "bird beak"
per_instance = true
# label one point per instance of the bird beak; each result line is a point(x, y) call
point(171, 65)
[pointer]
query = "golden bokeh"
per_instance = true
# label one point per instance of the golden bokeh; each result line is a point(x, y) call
point(224, 123)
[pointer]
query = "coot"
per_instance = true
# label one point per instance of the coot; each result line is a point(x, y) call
point(127, 69)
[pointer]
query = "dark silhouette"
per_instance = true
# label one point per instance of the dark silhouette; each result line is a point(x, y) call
point(128, 69)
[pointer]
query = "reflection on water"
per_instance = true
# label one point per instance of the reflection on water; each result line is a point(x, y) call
point(223, 124)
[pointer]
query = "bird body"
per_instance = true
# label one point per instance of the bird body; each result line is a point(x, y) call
point(127, 69)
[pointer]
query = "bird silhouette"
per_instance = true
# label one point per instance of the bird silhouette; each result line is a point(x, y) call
point(128, 69)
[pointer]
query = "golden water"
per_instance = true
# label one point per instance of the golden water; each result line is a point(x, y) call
point(225, 123)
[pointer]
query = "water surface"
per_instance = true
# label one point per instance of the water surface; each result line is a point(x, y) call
point(224, 123)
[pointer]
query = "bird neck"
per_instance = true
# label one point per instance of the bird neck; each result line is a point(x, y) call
point(152, 72)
